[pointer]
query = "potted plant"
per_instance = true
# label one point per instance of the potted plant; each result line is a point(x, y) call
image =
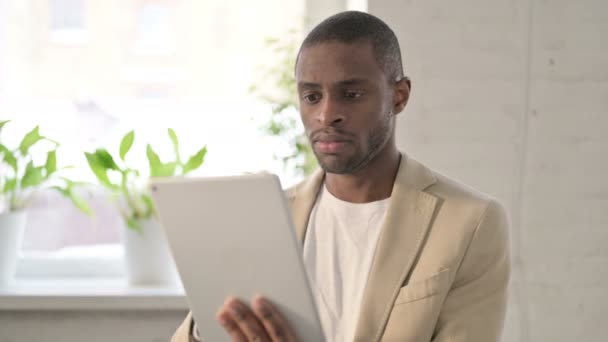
point(20, 179)
point(147, 257)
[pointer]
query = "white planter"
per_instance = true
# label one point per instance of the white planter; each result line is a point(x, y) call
point(12, 226)
point(148, 260)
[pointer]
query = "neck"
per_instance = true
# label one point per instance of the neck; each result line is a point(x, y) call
point(374, 182)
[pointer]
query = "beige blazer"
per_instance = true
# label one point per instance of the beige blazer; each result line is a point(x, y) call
point(441, 268)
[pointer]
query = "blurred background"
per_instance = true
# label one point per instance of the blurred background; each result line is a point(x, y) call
point(510, 97)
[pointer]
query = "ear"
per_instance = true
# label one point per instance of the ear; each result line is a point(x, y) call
point(402, 90)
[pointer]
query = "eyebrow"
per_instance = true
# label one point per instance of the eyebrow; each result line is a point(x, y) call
point(347, 82)
point(353, 81)
point(310, 85)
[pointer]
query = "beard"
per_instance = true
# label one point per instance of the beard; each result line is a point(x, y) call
point(375, 141)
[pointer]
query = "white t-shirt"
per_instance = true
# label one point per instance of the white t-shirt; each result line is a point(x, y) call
point(339, 247)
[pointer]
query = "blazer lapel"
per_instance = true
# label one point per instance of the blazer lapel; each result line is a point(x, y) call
point(301, 199)
point(403, 232)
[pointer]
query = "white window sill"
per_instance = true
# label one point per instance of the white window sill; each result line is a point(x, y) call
point(88, 294)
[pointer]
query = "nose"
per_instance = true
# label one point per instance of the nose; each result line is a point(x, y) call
point(330, 113)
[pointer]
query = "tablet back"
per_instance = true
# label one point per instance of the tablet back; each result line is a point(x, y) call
point(234, 236)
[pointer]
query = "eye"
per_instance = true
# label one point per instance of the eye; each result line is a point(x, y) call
point(312, 98)
point(352, 95)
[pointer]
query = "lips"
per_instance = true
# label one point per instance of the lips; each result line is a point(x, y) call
point(330, 146)
point(330, 142)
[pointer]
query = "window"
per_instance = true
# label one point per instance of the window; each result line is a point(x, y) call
point(148, 71)
point(67, 21)
point(67, 14)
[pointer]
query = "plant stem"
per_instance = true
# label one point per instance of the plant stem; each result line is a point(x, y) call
point(126, 193)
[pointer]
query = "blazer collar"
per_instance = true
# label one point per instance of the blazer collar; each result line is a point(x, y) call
point(406, 225)
point(302, 198)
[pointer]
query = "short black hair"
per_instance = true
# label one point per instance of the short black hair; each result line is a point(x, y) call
point(353, 26)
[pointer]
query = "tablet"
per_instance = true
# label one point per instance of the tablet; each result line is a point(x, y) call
point(234, 236)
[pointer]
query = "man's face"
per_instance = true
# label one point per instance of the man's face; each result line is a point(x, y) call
point(346, 104)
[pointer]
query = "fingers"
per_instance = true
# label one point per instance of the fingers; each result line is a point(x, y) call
point(241, 323)
point(275, 324)
point(231, 327)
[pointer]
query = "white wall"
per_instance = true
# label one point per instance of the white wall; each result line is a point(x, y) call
point(317, 10)
point(511, 96)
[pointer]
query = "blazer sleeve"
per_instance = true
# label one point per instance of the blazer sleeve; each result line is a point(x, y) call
point(475, 307)
point(184, 331)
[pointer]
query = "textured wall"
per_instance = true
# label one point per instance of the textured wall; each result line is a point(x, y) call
point(511, 96)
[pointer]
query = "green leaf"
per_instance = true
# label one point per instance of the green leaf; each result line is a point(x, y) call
point(80, 203)
point(133, 224)
point(157, 167)
point(31, 138)
point(154, 161)
point(8, 157)
point(175, 142)
point(126, 143)
point(99, 170)
point(105, 159)
point(33, 176)
point(51, 162)
point(195, 161)
point(2, 123)
point(10, 185)
point(167, 170)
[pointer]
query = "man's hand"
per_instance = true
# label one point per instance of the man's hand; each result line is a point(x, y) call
point(260, 323)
